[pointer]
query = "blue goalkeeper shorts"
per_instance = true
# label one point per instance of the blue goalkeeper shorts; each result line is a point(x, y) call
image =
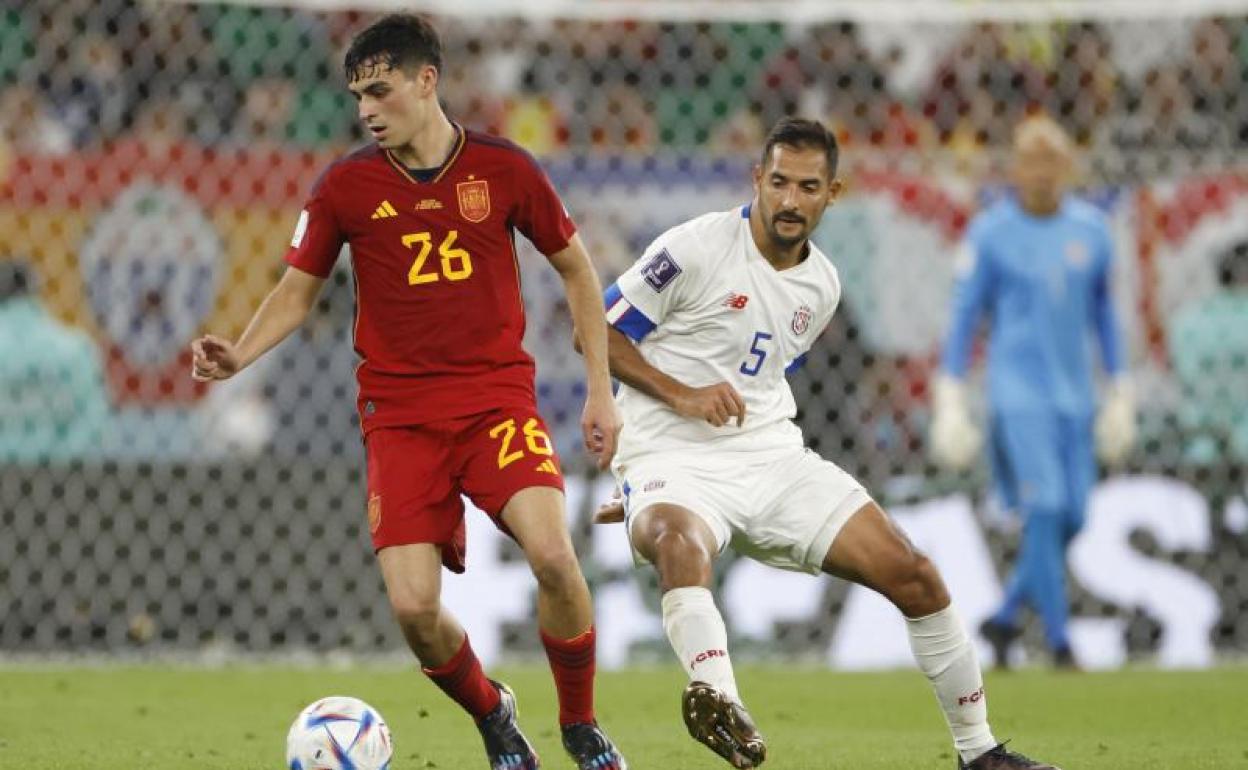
point(1043, 462)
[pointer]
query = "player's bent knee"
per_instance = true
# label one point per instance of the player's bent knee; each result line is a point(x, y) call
point(681, 559)
point(417, 615)
point(555, 568)
point(914, 585)
point(672, 544)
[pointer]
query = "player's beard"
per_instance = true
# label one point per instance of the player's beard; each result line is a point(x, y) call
point(786, 241)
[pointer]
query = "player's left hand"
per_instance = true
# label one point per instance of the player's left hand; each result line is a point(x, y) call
point(600, 426)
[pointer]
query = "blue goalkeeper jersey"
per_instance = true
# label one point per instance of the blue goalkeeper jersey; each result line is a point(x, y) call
point(1044, 283)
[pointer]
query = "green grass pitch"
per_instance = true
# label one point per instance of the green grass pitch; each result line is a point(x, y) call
point(169, 718)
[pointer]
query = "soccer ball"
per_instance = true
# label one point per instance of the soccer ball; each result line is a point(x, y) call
point(339, 733)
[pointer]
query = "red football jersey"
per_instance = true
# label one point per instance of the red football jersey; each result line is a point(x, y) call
point(439, 318)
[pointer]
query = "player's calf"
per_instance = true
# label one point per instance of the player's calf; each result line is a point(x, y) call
point(913, 584)
point(873, 551)
point(722, 725)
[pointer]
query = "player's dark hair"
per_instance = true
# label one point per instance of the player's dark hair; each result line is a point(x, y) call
point(397, 41)
point(803, 134)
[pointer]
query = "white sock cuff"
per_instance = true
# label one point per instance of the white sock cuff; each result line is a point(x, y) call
point(946, 620)
point(687, 598)
point(938, 639)
point(942, 627)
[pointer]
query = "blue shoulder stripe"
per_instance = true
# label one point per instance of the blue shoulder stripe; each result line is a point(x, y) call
point(623, 316)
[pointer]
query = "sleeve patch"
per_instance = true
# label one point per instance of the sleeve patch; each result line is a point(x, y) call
point(300, 229)
point(660, 271)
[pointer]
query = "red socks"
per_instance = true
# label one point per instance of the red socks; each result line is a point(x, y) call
point(461, 678)
point(572, 663)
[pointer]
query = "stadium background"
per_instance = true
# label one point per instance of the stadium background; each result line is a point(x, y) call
point(153, 160)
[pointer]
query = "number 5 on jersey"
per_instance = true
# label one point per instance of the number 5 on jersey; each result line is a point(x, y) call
point(456, 262)
point(758, 354)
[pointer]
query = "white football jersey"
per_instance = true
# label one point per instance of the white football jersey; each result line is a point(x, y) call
point(705, 306)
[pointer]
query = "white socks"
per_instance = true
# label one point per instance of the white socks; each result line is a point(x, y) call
point(947, 656)
point(696, 631)
point(939, 641)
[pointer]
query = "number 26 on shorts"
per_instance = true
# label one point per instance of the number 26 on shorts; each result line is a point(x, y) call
point(535, 439)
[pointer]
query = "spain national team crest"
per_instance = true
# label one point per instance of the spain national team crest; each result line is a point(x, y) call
point(374, 513)
point(801, 319)
point(474, 199)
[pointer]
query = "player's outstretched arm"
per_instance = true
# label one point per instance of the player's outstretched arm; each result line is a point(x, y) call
point(718, 404)
point(281, 313)
point(1114, 428)
point(600, 420)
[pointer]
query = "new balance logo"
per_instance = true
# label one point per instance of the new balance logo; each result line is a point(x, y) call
point(735, 301)
point(385, 211)
point(548, 466)
point(429, 204)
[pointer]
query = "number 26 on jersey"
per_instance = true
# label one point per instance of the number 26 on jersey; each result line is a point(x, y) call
point(456, 262)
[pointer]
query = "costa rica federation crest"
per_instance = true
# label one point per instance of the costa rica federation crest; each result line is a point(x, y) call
point(474, 199)
point(801, 319)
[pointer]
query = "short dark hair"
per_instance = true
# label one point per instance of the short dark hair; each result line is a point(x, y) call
point(804, 134)
point(395, 41)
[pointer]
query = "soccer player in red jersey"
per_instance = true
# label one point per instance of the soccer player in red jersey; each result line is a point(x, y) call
point(446, 396)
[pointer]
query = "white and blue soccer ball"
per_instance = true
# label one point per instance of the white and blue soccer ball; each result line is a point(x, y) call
point(339, 733)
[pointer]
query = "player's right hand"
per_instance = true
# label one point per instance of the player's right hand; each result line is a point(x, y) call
point(954, 440)
point(612, 511)
point(717, 404)
point(213, 358)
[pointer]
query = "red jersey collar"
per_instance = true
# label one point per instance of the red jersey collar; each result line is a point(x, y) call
point(460, 140)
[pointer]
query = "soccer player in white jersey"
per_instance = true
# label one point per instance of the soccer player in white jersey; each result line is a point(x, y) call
point(704, 328)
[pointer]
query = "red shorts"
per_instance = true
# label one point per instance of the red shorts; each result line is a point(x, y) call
point(417, 474)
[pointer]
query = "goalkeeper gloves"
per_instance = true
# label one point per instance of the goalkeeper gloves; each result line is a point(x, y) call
point(954, 440)
point(1115, 423)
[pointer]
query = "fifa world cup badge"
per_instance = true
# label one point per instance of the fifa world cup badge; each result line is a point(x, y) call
point(801, 319)
point(474, 199)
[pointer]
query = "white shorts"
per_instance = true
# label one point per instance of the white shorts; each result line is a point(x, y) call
point(781, 507)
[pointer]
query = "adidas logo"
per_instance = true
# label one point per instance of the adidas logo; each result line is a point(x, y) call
point(548, 466)
point(385, 211)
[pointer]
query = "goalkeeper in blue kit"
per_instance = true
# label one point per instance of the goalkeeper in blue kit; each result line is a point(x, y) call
point(1038, 266)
